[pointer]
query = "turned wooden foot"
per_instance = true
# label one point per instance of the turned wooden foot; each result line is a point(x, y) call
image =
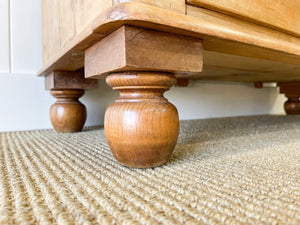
point(141, 127)
point(292, 105)
point(292, 92)
point(67, 114)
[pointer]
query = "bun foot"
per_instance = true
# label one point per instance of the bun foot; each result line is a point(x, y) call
point(141, 127)
point(292, 105)
point(67, 114)
point(292, 92)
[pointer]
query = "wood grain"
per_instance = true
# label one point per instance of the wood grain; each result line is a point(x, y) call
point(69, 80)
point(174, 5)
point(227, 67)
point(141, 127)
point(50, 29)
point(131, 48)
point(238, 50)
point(200, 23)
point(87, 10)
point(66, 21)
point(220, 33)
point(67, 114)
point(63, 20)
point(71, 57)
point(233, 29)
point(278, 14)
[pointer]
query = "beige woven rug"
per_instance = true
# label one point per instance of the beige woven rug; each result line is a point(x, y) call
point(243, 170)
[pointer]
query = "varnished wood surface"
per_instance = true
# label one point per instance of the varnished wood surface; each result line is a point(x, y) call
point(219, 32)
point(255, 36)
point(174, 5)
point(63, 20)
point(278, 14)
point(210, 26)
point(292, 105)
point(226, 67)
point(50, 29)
point(141, 127)
point(131, 48)
point(292, 92)
point(67, 114)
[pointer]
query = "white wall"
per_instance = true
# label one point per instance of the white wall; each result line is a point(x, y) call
point(25, 104)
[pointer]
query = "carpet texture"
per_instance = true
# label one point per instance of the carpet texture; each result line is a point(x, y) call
point(242, 170)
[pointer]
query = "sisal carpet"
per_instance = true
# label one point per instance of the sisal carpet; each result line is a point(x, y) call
point(242, 170)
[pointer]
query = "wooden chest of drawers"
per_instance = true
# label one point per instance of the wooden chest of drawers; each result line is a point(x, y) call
point(143, 47)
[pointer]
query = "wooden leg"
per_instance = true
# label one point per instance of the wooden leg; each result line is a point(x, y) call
point(292, 92)
point(141, 127)
point(292, 105)
point(67, 114)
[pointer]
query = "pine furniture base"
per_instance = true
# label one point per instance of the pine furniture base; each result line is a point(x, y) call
point(141, 49)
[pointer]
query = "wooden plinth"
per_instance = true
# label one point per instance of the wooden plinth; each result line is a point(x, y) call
point(141, 126)
point(67, 114)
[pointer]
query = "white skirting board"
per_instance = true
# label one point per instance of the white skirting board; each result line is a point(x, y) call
point(25, 104)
